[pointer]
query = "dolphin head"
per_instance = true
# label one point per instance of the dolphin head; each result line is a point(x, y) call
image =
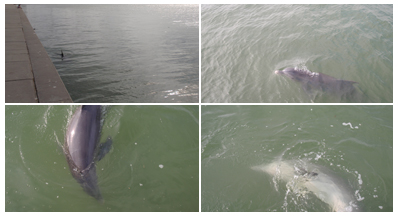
point(289, 72)
point(296, 74)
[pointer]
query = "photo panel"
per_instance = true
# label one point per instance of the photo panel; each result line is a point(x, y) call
point(296, 158)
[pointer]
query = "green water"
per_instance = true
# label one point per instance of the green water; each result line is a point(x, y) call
point(153, 165)
point(352, 143)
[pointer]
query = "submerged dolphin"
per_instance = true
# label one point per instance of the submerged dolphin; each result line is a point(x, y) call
point(318, 81)
point(81, 147)
point(319, 183)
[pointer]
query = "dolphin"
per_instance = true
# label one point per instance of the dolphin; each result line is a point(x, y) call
point(82, 150)
point(322, 185)
point(318, 81)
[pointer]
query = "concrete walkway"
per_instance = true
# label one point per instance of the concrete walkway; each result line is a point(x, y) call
point(30, 75)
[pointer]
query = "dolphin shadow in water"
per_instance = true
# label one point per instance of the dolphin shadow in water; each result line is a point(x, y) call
point(82, 150)
point(323, 185)
point(313, 81)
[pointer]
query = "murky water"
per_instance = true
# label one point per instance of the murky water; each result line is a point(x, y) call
point(152, 166)
point(242, 46)
point(350, 147)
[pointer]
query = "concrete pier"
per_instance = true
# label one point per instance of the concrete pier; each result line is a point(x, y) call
point(30, 75)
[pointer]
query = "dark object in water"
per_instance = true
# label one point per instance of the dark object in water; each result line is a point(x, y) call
point(82, 150)
point(318, 81)
point(302, 171)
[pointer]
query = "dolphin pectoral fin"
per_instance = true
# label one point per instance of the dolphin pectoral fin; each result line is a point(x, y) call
point(104, 148)
point(309, 91)
point(307, 88)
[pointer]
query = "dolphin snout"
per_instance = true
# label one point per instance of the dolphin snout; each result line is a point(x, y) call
point(277, 71)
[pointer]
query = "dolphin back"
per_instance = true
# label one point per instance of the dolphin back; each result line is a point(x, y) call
point(329, 192)
point(322, 185)
point(81, 140)
point(82, 135)
point(319, 81)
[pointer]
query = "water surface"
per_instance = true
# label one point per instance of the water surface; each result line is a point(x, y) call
point(353, 144)
point(152, 166)
point(122, 53)
point(242, 46)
